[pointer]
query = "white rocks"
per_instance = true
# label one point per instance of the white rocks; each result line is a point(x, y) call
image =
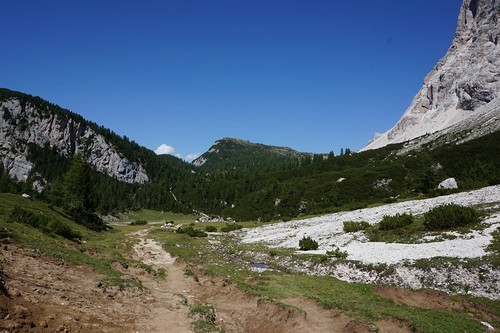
point(199, 161)
point(448, 184)
point(45, 128)
point(466, 78)
point(328, 231)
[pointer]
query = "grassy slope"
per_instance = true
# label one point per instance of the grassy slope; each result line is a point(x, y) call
point(97, 250)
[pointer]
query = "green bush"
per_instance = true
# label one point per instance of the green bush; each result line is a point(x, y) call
point(191, 232)
point(139, 222)
point(450, 216)
point(231, 227)
point(395, 221)
point(337, 253)
point(355, 226)
point(210, 228)
point(307, 243)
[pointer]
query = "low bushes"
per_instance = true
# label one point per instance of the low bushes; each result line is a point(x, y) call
point(139, 222)
point(395, 221)
point(307, 243)
point(450, 216)
point(210, 228)
point(43, 223)
point(355, 226)
point(231, 227)
point(339, 254)
point(191, 232)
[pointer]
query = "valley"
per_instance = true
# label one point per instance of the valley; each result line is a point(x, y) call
point(101, 234)
point(157, 278)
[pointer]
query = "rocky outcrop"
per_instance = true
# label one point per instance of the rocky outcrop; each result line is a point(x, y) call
point(21, 124)
point(466, 78)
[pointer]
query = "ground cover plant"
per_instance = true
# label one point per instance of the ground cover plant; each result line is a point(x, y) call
point(307, 244)
point(395, 221)
point(351, 226)
point(450, 216)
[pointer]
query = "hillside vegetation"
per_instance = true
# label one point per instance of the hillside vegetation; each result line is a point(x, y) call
point(248, 181)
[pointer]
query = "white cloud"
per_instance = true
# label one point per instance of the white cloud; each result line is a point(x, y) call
point(191, 157)
point(164, 149)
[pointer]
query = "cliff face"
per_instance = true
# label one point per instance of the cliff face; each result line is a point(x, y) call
point(466, 78)
point(22, 124)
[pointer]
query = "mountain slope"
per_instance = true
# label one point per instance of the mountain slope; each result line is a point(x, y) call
point(466, 78)
point(29, 123)
point(231, 154)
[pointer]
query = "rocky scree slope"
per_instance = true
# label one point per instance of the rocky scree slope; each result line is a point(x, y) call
point(23, 123)
point(466, 78)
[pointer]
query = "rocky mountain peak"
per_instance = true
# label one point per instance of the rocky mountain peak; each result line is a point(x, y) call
point(24, 124)
point(466, 78)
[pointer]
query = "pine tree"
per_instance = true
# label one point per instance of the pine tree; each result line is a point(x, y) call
point(79, 186)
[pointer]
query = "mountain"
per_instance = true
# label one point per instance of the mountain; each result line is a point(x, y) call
point(237, 154)
point(464, 80)
point(29, 124)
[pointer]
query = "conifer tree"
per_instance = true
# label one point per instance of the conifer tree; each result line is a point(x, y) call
point(78, 185)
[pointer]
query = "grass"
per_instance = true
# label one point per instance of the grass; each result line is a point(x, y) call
point(97, 250)
point(204, 316)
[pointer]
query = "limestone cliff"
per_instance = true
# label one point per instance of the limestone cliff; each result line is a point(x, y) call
point(466, 78)
point(22, 123)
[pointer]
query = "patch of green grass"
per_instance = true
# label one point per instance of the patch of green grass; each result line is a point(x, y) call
point(204, 316)
point(161, 273)
point(360, 302)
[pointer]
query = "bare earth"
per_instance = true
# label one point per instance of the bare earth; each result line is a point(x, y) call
point(43, 294)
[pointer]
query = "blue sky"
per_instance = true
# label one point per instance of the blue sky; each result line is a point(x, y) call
point(314, 75)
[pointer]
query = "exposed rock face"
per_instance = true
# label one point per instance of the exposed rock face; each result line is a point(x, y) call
point(466, 78)
point(22, 124)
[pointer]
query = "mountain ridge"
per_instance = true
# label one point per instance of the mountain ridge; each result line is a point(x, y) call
point(466, 78)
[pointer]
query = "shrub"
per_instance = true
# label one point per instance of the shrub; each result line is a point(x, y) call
point(191, 232)
point(231, 227)
point(139, 222)
point(355, 226)
point(337, 253)
point(210, 228)
point(450, 216)
point(396, 221)
point(307, 243)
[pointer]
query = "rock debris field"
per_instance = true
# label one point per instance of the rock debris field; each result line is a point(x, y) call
point(328, 231)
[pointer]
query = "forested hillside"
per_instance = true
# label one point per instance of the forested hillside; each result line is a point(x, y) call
point(246, 181)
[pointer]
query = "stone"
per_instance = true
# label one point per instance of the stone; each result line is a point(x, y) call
point(448, 184)
point(465, 79)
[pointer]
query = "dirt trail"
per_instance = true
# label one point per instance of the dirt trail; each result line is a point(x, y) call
point(172, 296)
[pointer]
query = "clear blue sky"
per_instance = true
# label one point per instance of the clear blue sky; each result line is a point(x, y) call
point(314, 75)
